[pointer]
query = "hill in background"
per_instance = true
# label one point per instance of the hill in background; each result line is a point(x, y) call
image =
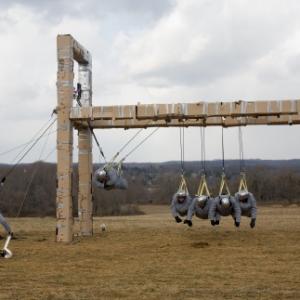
point(30, 190)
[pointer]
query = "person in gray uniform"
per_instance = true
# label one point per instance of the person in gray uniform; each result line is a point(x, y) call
point(5, 225)
point(225, 205)
point(180, 204)
point(200, 207)
point(247, 205)
point(109, 179)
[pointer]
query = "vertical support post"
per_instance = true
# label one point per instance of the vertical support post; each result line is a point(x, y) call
point(85, 161)
point(65, 76)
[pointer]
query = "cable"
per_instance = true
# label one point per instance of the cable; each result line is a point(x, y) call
point(241, 150)
point(32, 177)
point(24, 144)
point(203, 154)
point(27, 151)
point(181, 140)
point(223, 160)
point(139, 144)
point(127, 143)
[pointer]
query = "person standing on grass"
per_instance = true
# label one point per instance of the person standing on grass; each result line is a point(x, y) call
point(200, 207)
point(247, 205)
point(225, 205)
point(181, 202)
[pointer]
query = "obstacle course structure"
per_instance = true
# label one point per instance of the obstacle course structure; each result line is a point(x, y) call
point(85, 118)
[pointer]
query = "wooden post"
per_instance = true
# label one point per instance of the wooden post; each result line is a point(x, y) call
point(85, 161)
point(65, 76)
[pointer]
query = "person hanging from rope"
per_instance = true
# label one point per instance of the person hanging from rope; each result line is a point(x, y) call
point(244, 198)
point(247, 205)
point(224, 204)
point(181, 200)
point(110, 176)
point(202, 201)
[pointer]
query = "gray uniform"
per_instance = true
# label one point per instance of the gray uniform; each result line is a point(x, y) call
point(5, 224)
point(114, 181)
point(216, 207)
point(180, 209)
point(201, 213)
point(248, 206)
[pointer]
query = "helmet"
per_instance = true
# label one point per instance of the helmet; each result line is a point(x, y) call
point(243, 195)
point(201, 200)
point(101, 175)
point(181, 196)
point(225, 202)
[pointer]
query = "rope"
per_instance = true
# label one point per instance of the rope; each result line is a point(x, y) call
point(33, 175)
point(223, 160)
point(21, 145)
point(203, 154)
point(241, 150)
point(181, 140)
point(139, 144)
point(127, 143)
point(26, 152)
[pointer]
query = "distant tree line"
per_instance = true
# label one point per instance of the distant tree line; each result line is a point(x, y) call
point(30, 190)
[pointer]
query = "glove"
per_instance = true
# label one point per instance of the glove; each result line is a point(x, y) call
point(212, 222)
point(237, 224)
point(189, 222)
point(252, 223)
point(177, 219)
point(217, 222)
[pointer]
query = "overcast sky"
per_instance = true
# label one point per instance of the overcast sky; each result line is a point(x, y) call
point(158, 51)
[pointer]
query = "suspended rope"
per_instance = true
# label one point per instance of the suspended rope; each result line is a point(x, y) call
point(243, 183)
point(78, 97)
point(203, 154)
point(32, 176)
point(127, 143)
point(223, 184)
point(223, 160)
point(139, 144)
point(26, 152)
point(183, 184)
point(24, 144)
point(203, 187)
point(181, 140)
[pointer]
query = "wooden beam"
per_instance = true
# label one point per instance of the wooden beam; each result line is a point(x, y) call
point(236, 113)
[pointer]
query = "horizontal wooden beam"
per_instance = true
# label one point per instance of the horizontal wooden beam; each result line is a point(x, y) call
point(237, 113)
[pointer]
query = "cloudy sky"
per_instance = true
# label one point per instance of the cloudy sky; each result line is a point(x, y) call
point(158, 51)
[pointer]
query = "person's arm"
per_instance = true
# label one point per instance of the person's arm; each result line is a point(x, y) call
point(173, 207)
point(253, 211)
point(253, 207)
point(5, 224)
point(237, 211)
point(212, 211)
point(191, 210)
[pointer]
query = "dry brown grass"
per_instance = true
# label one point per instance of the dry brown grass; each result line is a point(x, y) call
point(151, 257)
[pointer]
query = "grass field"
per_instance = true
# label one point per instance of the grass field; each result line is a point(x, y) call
point(152, 257)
